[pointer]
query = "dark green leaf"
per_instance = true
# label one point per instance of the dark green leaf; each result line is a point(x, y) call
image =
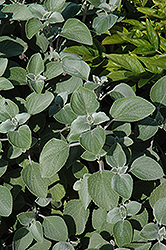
point(12, 47)
point(152, 35)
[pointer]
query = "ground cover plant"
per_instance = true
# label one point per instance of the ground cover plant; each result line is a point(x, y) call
point(83, 125)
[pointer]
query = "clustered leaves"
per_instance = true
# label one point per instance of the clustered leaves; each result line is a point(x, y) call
point(83, 125)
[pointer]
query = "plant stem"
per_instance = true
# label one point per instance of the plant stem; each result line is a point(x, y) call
point(85, 10)
point(101, 165)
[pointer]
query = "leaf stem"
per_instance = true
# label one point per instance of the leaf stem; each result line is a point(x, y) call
point(29, 158)
point(108, 124)
point(74, 144)
point(3, 139)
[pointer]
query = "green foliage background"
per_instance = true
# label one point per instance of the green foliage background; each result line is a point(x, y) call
point(83, 125)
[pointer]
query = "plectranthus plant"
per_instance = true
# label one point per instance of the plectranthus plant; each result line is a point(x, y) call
point(82, 125)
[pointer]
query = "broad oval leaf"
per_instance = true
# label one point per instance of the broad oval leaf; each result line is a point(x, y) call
point(121, 90)
point(78, 126)
point(36, 103)
point(35, 64)
point(32, 26)
point(123, 185)
point(100, 191)
point(122, 232)
point(35, 183)
point(158, 193)
point(25, 218)
point(158, 91)
point(12, 46)
point(159, 211)
point(8, 109)
point(53, 69)
point(21, 138)
point(114, 215)
point(159, 246)
point(83, 101)
point(6, 201)
point(132, 207)
point(77, 31)
point(103, 23)
point(83, 191)
point(116, 156)
point(76, 215)
point(65, 115)
point(98, 217)
point(45, 245)
point(3, 65)
point(3, 165)
point(93, 140)
point(55, 228)
point(53, 157)
point(36, 231)
point(63, 246)
point(5, 84)
point(150, 231)
point(131, 109)
point(22, 239)
point(54, 5)
point(147, 169)
point(96, 242)
point(69, 85)
point(76, 67)
point(147, 128)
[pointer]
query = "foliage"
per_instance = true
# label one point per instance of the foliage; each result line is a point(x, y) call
point(83, 124)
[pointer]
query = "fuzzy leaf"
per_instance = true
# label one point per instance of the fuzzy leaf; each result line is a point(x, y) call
point(53, 157)
point(122, 232)
point(100, 191)
point(145, 168)
point(6, 201)
point(131, 109)
point(35, 183)
point(21, 138)
point(55, 228)
point(77, 31)
point(83, 101)
point(158, 91)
